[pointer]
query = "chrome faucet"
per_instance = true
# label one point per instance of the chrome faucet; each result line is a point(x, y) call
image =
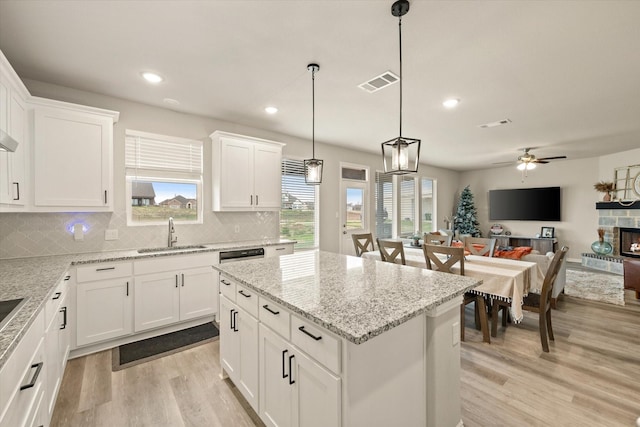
point(172, 230)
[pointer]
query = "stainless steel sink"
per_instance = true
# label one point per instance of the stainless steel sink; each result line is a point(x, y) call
point(170, 249)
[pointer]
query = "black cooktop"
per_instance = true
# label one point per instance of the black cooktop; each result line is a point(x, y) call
point(7, 309)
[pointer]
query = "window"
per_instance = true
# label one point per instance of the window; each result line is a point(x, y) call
point(164, 179)
point(427, 205)
point(407, 206)
point(384, 205)
point(299, 211)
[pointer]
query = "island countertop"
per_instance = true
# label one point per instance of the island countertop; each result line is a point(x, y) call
point(352, 297)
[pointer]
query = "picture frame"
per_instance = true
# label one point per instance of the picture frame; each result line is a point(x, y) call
point(547, 232)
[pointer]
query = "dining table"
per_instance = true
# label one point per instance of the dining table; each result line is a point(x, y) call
point(503, 279)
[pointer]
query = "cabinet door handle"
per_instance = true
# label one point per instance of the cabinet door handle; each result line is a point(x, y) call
point(284, 374)
point(317, 338)
point(105, 268)
point(57, 295)
point(224, 282)
point(183, 280)
point(231, 318)
point(235, 321)
point(127, 288)
point(105, 197)
point(63, 310)
point(31, 383)
point(17, 184)
point(266, 307)
point(241, 292)
point(176, 280)
point(256, 200)
point(251, 199)
point(291, 381)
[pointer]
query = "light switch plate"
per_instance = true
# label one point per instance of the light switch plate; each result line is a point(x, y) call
point(111, 234)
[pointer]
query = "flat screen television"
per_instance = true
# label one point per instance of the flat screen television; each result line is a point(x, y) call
point(525, 204)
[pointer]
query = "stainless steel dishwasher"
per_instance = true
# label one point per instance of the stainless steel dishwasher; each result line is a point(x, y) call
point(241, 254)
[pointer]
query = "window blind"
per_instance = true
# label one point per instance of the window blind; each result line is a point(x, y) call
point(148, 153)
point(298, 219)
point(384, 205)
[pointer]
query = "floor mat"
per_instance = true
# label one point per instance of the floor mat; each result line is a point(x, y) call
point(595, 286)
point(148, 349)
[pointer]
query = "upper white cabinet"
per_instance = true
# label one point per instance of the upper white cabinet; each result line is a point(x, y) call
point(13, 122)
point(73, 157)
point(246, 173)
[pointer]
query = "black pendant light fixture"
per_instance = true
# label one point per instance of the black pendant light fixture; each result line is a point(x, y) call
point(313, 166)
point(401, 155)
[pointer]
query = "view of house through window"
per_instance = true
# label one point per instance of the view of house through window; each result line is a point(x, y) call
point(164, 178)
point(299, 213)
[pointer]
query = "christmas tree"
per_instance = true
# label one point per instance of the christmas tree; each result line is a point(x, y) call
point(466, 219)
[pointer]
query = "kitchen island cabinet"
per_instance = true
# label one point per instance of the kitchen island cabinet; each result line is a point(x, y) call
point(367, 343)
point(246, 173)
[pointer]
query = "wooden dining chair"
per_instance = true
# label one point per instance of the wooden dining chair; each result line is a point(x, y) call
point(363, 243)
point(390, 250)
point(449, 257)
point(437, 239)
point(480, 246)
point(537, 303)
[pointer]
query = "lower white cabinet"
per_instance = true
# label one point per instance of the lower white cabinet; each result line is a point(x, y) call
point(294, 389)
point(57, 344)
point(239, 349)
point(104, 302)
point(169, 297)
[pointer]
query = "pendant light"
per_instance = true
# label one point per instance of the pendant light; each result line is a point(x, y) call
point(401, 155)
point(313, 166)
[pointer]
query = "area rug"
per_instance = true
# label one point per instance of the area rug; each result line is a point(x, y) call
point(131, 354)
point(595, 286)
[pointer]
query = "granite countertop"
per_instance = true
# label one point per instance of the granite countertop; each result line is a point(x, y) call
point(35, 278)
point(352, 297)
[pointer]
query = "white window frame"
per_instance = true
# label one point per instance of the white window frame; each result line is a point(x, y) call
point(190, 177)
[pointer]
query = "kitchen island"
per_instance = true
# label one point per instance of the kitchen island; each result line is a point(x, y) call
point(317, 338)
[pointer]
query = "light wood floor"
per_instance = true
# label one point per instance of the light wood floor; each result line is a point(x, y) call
point(591, 377)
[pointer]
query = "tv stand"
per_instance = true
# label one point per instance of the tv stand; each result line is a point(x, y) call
point(540, 244)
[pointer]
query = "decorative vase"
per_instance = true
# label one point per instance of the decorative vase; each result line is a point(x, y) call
point(601, 247)
point(607, 197)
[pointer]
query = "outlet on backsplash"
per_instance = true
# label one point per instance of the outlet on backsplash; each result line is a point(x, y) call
point(111, 234)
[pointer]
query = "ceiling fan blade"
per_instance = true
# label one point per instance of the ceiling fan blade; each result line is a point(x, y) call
point(553, 158)
point(542, 162)
point(504, 163)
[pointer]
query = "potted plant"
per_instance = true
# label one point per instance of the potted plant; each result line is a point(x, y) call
point(605, 187)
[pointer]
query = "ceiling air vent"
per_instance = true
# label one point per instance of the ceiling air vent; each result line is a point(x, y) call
point(378, 82)
point(494, 124)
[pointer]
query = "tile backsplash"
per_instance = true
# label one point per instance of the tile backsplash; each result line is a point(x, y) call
point(39, 234)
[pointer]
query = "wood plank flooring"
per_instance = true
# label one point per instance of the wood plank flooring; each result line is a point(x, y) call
point(591, 377)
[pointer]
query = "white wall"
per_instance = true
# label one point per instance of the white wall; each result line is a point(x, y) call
point(578, 228)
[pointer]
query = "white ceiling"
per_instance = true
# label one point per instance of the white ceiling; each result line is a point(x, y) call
point(567, 73)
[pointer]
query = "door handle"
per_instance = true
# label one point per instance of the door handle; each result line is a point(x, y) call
point(291, 380)
point(183, 280)
point(176, 280)
point(284, 375)
point(235, 321)
point(17, 184)
point(231, 318)
point(64, 317)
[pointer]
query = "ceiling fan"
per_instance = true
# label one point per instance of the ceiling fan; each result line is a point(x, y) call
point(528, 161)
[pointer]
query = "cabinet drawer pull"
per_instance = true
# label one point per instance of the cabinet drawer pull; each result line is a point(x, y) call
point(280, 249)
point(266, 307)
point(38, 367)
point(284, 375)
point(241, 292)
point(63, 310)
point(317, 338)
point(291, 381)
point(67, 278)
point(224, 282)
point(17, 184)
point(105, 269)
point(56, 295)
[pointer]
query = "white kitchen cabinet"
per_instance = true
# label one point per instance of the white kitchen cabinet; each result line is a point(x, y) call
point(23, 379)
point(104, 302)
point(246, 173)
point(57, 340)
point(13, 121)
point(239, 348)
point(277, 250)
point(294, 389)
point(73, 157)
point(169, 297)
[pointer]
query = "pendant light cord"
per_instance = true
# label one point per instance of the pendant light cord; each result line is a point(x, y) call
point(313, 113)
point(400, 39)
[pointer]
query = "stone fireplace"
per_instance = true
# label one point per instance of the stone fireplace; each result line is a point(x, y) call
point(621, 222)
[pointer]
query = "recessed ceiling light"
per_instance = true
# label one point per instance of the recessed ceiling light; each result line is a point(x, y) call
point(271, 110)
point(152, 77)
point(451, 103)
point(171, 101)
